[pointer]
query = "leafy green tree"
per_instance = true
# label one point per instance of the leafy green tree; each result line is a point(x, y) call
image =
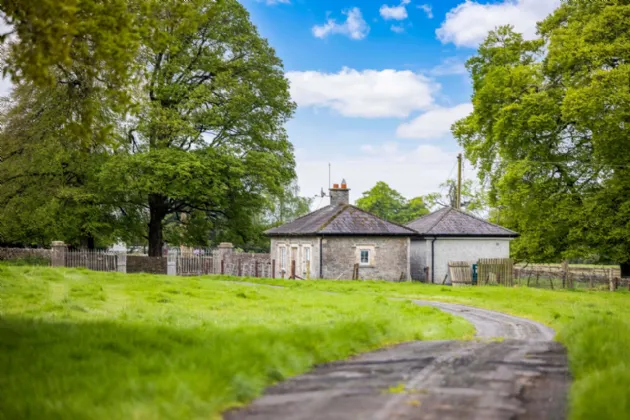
point(209, 140)
point(46, 35)
point(549, 131)
point(389, 204)
point(48, 175)
point(48, 42)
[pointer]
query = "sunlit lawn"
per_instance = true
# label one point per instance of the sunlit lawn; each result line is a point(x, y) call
point(76, 344)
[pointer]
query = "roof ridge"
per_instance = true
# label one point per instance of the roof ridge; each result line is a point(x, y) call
point(308, 214)
point(380, 218)
point(448, 210)
point(334, 216)
point(482, 220)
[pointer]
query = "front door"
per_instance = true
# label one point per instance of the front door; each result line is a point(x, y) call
point(294, 258)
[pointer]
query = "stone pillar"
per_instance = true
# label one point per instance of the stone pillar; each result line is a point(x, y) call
point(58, 255)
point(171, 262)
point(223, 253)
point(121, 262)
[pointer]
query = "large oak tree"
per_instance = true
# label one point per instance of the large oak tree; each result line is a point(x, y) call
point(549, 131)
point(209, 139)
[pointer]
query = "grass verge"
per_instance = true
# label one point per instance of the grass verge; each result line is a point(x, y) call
point(593, 325)
point(76, 344)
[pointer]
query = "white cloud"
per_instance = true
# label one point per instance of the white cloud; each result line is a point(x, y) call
point(433, 124)
point(397, 28)
point(354, 27)
point(449, 66)
point(427, 9)
point(468, 24)
point(412, 173)
point(395, 12)
point(367, 93)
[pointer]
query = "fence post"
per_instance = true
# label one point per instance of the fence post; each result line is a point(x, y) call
point(121, 262)
point(255, 268)
point(565, 273)
point(58, 257)
point(171, 262)
point(611, 281)
point(273, 269)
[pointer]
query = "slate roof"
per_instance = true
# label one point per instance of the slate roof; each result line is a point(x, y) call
point(452, 222)
point(343, 219)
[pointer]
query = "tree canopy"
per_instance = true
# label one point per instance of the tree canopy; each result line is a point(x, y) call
point(549, 131)
point(389, 204)
point(201, 152)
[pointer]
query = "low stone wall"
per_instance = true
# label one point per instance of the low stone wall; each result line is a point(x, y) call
point(7, 254)
point(144, 264)
point(245, 258)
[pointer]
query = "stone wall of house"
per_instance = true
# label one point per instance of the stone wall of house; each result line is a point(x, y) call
point(297, 246)
point(22, 253)
point(144, 264)
point(389, 257)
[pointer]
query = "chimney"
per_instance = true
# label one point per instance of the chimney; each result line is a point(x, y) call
point(340, 194)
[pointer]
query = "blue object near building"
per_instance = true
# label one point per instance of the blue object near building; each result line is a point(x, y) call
point(474, 274)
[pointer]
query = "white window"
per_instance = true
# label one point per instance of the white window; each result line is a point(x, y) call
point(283, 257)
point(365, 257)
point(365, 254)
point(306, 268)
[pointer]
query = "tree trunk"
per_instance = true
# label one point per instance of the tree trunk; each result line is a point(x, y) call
point(157, 211)
point(87, 242)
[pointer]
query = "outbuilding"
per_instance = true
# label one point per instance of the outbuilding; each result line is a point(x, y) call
point(453, 235)
point(330, 243)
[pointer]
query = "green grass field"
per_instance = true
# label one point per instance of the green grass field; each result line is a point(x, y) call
point(593, 325)
point(76, 344)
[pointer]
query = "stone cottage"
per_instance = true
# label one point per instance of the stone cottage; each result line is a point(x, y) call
point(327, 243)
point(452, 235)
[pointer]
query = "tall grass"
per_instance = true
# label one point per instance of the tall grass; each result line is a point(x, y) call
point(76, 344)
point(593, 325)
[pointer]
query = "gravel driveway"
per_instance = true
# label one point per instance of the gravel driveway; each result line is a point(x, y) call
point(513, 370)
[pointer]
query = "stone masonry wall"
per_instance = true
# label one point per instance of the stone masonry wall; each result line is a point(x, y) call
point(21, 253)
point(144, 264)
point(390, 257)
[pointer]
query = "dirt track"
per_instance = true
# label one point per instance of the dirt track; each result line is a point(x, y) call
point(525, 376)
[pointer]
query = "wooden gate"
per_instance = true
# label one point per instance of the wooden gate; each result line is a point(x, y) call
point(495, 271)
point(460, 273)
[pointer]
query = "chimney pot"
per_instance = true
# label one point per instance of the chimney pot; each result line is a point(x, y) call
point(340, 195)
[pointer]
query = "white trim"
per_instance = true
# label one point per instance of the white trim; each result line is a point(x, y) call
point(371, 249)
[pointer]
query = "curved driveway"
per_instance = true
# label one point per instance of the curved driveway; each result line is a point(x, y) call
point(511, 371)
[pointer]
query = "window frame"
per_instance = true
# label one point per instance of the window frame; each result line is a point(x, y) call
point(282, 251)
point(369, 256)
point(307, 256)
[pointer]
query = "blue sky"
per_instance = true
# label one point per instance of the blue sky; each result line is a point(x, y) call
point(379, 82)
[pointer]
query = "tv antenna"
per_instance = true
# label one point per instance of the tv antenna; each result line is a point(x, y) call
point(323, 194)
